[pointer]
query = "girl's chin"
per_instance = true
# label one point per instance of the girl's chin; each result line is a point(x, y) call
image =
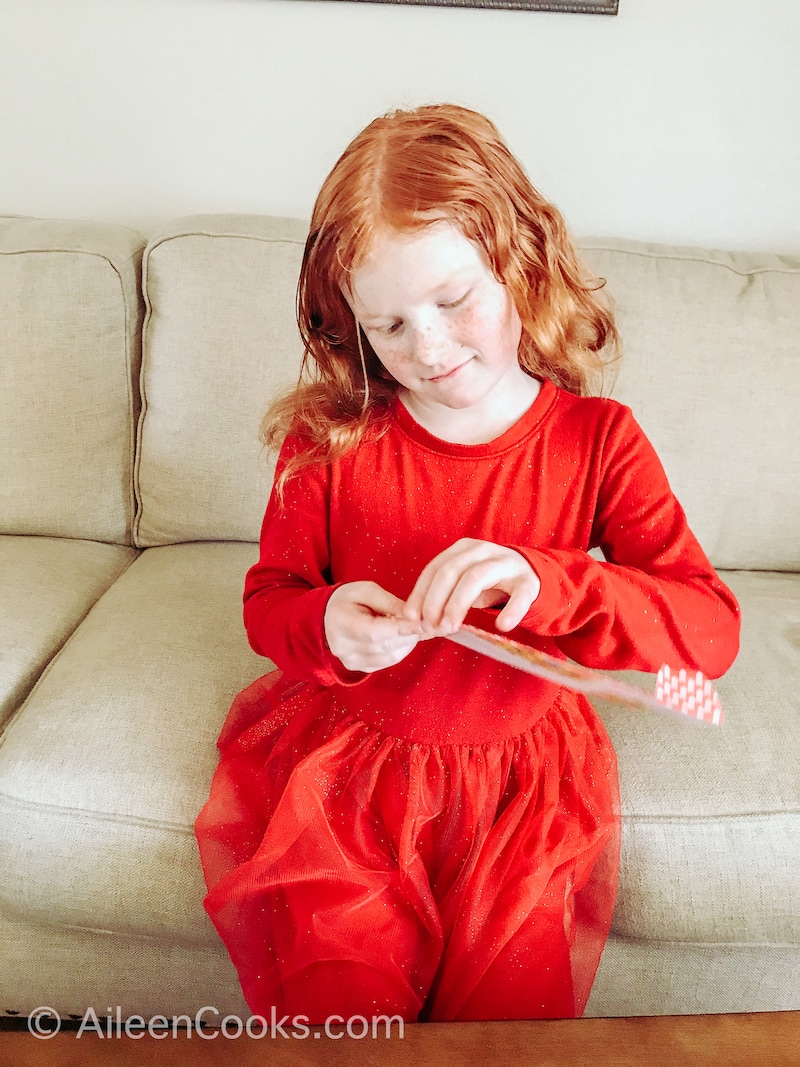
point(444, 404)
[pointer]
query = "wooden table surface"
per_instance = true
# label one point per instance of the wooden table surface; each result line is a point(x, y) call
point(753, 1040)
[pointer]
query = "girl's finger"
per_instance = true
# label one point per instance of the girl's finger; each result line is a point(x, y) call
point(384, 628)
point(378, 660)
point(438, 579)
point(377, 599)
point(457, 580)
point(518, 605)
point(414, 607)
point(468, 590)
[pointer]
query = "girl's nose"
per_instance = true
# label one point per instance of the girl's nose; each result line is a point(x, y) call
point(430, 345)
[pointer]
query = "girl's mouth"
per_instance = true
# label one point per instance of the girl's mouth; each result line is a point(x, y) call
point(449, 373)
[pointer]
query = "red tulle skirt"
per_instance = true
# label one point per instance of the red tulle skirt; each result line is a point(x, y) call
point(353, 873)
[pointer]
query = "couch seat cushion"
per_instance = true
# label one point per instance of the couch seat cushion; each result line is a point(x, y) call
point(711, 815)
point(105, 768)
point(47, 585)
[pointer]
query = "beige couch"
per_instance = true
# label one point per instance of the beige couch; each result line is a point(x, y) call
point(132, 487)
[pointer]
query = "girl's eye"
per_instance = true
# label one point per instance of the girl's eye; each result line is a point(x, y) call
point(455, 303)
point(393, 328)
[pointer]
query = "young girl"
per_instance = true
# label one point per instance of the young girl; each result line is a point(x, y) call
point(399, 825)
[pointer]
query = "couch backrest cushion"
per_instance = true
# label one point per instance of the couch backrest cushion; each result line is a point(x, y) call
point(220, 339)
point(712, 372)
point(70, 320)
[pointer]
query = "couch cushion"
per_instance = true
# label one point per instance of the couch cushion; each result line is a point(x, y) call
point(110, 760)
point(220, 339)
point(682, 978)
point(70, 317)
point(47, 585)
point(73, 970)
point(712, 371)
point(711, 831)
point(106, 766)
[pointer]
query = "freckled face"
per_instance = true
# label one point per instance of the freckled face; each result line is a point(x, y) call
point(441, 324)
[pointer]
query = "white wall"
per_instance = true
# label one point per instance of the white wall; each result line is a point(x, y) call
point(678, 120)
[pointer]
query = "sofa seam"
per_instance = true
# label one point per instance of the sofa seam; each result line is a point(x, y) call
point(69, 812)
point(206, 944)
point(139, 435)
point(789, 271)
point(707, 820)
point(12, 718)
point(693, 943)
point(192, 942)
point(131, 436)
point(262, 238)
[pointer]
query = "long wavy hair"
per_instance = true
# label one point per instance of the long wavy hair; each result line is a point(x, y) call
point(405, 170)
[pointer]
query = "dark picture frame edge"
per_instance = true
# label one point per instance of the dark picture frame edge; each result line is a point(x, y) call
point(575, 7)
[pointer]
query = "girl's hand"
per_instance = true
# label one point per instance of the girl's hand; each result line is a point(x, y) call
point(472, 574)
point(365, 629)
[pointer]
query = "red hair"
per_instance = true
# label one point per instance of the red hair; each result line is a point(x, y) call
point(404, 171)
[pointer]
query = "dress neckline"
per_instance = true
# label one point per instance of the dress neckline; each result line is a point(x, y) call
point(524, 425)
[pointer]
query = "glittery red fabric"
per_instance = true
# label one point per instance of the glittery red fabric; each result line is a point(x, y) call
point(440, 840)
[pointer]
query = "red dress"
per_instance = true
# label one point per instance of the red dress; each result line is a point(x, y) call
point(440, 839)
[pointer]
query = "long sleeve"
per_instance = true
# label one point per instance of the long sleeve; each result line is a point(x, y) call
point(575, 473)
point(655, 598)
point(287, 591)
